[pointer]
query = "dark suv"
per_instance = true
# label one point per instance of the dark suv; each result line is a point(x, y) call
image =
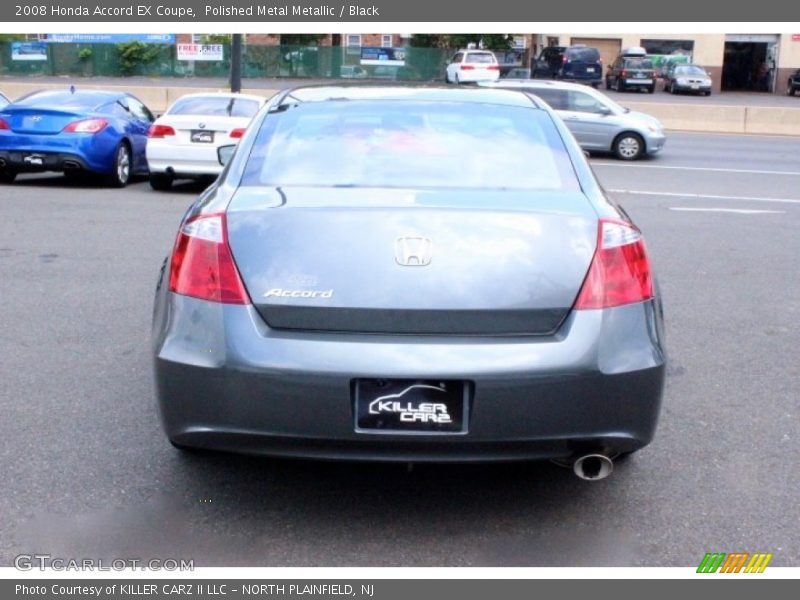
point(631, 72)
point(794, 83)
point(572, 63)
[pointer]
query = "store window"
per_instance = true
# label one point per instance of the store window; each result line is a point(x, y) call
point(386, 41)
point(668, 47)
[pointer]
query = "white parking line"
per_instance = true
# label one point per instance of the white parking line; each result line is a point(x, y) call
point(738, 211)
point(677, 168)
point(705, 196)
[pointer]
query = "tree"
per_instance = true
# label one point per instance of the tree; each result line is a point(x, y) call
point(489, 41)
point(301, 39)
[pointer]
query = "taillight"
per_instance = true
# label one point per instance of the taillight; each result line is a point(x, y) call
point(238, 132)
point(624, 73)
point(202, 264)
point(493, 67)
point(4, 124)
point(86, 126)
point(467, 68)
point(160, 131)
point(620, 270)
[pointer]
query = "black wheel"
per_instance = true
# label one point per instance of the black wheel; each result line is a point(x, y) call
point(608, 84)
point(160, 181)
point(7, 176)
point(791, 90)
point(456, 79)
point(620, 85)
point(121, 174)
point(671, 88)
point(595, 84)
point(651, 89)
point(628, 146)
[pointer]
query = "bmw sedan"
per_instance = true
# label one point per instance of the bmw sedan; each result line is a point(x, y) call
point(75, 132)
point(411, 275)
point(183, 142)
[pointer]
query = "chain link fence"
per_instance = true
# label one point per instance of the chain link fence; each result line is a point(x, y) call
point(153, 60)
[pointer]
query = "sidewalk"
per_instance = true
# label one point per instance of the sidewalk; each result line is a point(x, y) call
point(726, 112)
point(277, 83)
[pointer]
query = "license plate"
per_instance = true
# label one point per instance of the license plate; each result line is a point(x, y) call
point(35, 160)
point(695, 86)
point(590, 69)
point(639, 81)
point(203, 137)
point(410, 406)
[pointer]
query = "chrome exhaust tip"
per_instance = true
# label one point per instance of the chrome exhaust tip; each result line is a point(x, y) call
point(593, 467)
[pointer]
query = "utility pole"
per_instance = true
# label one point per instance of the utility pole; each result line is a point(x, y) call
point(236, 63)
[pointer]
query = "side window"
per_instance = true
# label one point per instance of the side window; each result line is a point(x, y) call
point(557, 99)
point(115, 109)
point(139, 110)
point(457, 58)
point(582, 102)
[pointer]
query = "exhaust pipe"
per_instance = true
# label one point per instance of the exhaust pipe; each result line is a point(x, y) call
point(593, 467)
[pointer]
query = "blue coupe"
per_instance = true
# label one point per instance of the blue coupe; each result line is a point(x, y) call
point(75, 132)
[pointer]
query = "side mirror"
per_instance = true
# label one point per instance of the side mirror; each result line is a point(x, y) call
point(604, 110)
point(225, 153)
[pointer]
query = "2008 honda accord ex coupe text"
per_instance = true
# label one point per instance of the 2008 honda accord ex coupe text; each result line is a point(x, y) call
point(410, 274)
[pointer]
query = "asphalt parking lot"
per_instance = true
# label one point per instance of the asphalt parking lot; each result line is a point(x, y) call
point(86, 471)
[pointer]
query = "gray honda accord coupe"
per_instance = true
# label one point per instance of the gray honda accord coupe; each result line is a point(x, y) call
point(409, 274)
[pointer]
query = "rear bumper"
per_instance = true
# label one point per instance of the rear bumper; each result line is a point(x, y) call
point(58, 152)
point(688, 89)
point(226, 381)
point(190, 160)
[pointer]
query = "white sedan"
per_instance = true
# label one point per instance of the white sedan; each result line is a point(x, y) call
point(183, 142)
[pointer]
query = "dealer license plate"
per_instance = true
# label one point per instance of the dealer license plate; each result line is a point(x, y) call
point(411, 406)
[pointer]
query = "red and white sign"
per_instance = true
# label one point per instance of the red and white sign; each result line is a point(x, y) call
point(796, 37)
point(199, 51)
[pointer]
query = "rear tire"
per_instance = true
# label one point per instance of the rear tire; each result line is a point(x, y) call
point(620, 86)
point(651, 89)
point(608, 84)
point(160, 181)
point(628, 146)
point(456, 81)
point(7, 176)
point(123, 166)
point(791, 90)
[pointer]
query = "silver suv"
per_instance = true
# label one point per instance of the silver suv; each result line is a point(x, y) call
point(598, 123)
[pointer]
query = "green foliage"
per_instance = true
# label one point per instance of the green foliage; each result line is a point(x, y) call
point(491, 41)
point(215, 38)
point(428, 40)
point(301, 39)
point(134, 54)
point(85, 53)
point(12, 37)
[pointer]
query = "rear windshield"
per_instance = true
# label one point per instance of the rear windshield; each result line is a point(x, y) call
point(483, 57)
point(638, 63)
point(65, 100)
point(583, 54)
point(215, 106)
point(388, 143)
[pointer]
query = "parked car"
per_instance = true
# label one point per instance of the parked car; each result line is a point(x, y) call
point(631, 72)
point(183, 142)
point(794, 83)
point(3, 100)
point(516, 314)
point(469, 66)
point(598, 123)
point(75, 131)
point(687, 78)
point(578, 63)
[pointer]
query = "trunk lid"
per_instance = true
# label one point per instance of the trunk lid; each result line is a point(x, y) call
point(412, 262)
point(39, 120)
